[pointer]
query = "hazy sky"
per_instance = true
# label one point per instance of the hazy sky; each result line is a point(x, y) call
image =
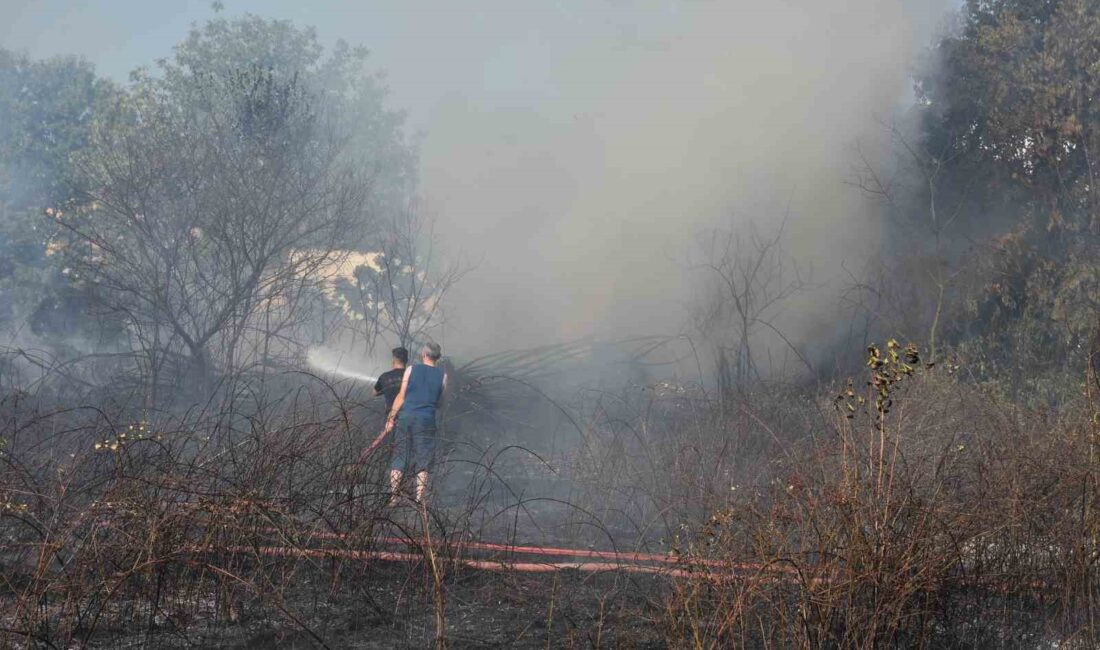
point(493, 52)
point(575, 150)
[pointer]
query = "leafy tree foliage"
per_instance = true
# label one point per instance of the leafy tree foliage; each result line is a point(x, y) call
point(1018, 92)
point(47, 109)
point(1013, 112)
point(353, 95)
point(217, 192)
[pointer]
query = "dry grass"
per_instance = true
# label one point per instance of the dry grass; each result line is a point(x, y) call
point(929, 514)
point(938, 517)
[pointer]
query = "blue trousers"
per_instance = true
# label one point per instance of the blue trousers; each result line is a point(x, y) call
point(414, 445)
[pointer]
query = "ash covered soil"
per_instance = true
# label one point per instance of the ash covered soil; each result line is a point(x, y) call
point(390, 605)
point(349, 603)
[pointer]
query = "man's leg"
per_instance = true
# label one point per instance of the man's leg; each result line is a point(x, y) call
point(421, 486)
point(423, 440)
point(395, 486)
point(399, 462)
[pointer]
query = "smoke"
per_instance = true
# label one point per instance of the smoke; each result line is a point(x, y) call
point(574, 152)
point(580, 198)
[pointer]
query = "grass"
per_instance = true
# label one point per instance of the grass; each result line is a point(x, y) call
point(909, 508)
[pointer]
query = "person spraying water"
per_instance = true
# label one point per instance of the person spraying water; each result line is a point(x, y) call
point(388, 386)
point(389, 382)
point(412, 421)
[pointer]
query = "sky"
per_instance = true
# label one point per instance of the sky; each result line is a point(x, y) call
point(576, 152)
point(499, 53)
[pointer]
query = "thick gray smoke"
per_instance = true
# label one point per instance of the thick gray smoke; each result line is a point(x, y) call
point(580, 201)
point(574, 151)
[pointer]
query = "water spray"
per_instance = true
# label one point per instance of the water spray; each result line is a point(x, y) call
point(318, 362)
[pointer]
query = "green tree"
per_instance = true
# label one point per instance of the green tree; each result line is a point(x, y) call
point(1016, 91)
point(354, 95)
point(47, 109)
point(1012, 111)
point(221, 189)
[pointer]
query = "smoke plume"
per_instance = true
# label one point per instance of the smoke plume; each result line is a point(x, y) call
point(579, 200)
point(574, 152)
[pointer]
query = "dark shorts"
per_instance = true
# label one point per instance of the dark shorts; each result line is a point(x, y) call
point(414, 445)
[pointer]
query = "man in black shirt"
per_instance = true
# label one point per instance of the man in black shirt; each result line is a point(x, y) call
point(389, 382)
point(388, 385)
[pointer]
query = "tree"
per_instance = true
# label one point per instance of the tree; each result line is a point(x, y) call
point(1012, 110)
point(219, 192)
point(398, 291)
point(47, 109)
point(922, 205)
point(354, 96)
point(747, 280)
point(1017, 88)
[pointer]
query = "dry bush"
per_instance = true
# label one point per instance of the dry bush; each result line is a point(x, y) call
point(918, 510)
point(253, 516)
point(111, 524)
point(928, 514)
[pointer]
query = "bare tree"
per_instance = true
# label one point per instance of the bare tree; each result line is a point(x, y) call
point(398, 292)
point(910, 194)
point(208, 205)
point(747, 280)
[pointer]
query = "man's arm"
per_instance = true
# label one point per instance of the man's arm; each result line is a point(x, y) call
point(378, 387)
point(391, 416)
point(442, 393)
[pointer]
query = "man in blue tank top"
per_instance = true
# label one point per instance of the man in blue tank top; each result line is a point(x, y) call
point(414, 431)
